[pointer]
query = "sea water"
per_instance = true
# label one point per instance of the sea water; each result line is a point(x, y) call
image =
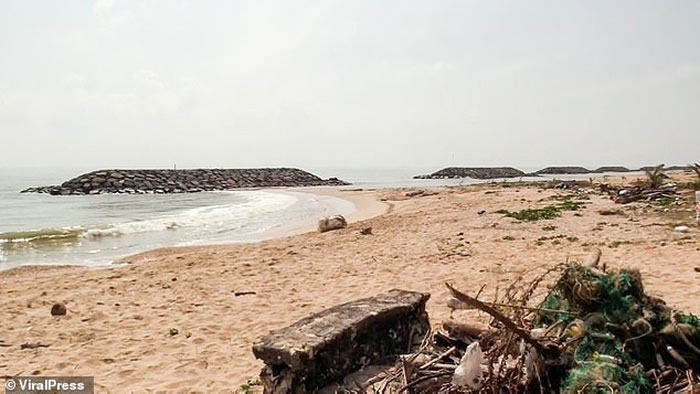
point(99, 229)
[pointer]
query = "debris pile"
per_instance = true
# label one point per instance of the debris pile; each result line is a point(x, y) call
point(656, 187)
point(595, 331)
point(625, 195)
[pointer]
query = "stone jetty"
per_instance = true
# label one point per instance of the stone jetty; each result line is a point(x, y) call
point(183, 181)
point(570, 170)
point(612, 169)
point(473, 172)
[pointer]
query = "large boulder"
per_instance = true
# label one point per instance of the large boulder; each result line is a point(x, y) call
point(328, 223)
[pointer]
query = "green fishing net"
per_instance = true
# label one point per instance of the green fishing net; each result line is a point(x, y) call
point(612, 332)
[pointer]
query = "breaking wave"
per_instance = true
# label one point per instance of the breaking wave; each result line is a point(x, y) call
point(43, 235)
point(211, 219)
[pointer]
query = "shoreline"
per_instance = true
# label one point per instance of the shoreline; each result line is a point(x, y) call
point(353, 205)
point(366, 205)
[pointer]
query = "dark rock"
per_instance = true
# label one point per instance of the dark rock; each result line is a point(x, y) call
point(474, 172)
point(415, 193)
point(366, 231)
point(328, 223)
point(608, 212)
point(58, 309)
point(324, 347)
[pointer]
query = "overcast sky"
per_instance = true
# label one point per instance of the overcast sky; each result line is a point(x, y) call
point(150, 83)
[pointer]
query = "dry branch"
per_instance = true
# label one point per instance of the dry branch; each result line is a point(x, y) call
point(498, 316)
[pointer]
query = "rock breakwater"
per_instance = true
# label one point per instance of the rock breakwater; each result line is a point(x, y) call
point(183, 181)
point(570, 170)
point(473, 172)
point(612, 169)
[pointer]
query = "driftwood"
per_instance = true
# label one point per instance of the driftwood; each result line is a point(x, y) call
point(501, 318)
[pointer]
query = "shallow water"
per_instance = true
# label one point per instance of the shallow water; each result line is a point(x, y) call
point(97, 229)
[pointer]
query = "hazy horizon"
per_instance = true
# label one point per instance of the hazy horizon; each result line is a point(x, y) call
point(365, 84)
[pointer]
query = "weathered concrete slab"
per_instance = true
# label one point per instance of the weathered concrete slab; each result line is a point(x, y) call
point(322, 348)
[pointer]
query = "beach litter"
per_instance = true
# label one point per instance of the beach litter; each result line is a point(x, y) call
point(594, 331)
point(626, 195)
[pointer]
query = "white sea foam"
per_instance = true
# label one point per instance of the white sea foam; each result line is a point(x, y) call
point(105, 229)
point(214, 218)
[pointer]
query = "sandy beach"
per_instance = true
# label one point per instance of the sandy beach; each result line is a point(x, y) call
point(119, 320)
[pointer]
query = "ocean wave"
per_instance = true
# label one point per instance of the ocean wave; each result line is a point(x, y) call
point(212, 219)
point(47, 234)
point(116, 230)
point(39, 240)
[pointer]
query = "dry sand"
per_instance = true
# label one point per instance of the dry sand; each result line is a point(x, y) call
point(118, 321)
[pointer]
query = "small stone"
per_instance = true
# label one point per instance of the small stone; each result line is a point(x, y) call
point(58, 309)
point(608, 212)
point(366, 231)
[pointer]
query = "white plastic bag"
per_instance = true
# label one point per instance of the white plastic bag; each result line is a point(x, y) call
point(468, 372)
